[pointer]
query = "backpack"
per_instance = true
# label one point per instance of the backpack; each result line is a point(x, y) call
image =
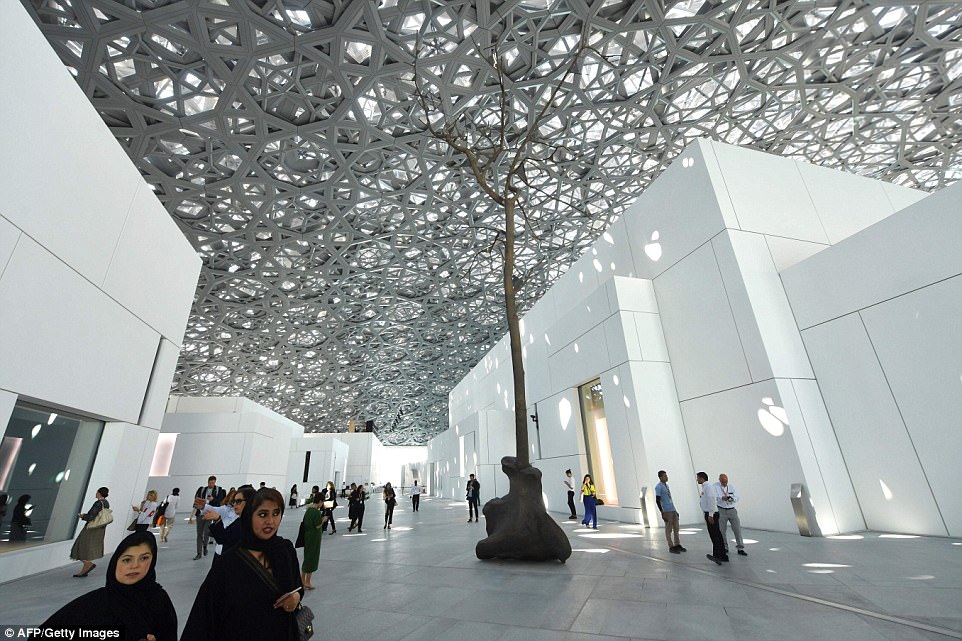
point(162, 507)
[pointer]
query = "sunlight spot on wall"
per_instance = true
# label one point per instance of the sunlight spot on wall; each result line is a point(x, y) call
point(612, 266)
point(564, 412)
point(597, 265)
point(30, 469)
point(51, 418)
point(615, 379)
point(35, 431)
point(653, 249)
point(547, 339)
point(886, 492)
point(626, 400)
point(581, 277)
point(608, 238)
point(577, 349)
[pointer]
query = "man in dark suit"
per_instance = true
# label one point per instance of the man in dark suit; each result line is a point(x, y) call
point(474, 498)
point(210, 494)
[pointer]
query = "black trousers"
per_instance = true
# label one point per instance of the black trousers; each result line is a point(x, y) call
point(571, 504)
point(330, 520)
point(388, 513)
point(473, 507)
point(717, 542)
point(415, 501)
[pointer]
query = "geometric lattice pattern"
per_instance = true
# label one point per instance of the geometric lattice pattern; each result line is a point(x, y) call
point(344, 273)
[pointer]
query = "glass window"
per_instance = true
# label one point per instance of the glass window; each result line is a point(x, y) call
point(45, 462)
point(600, 465)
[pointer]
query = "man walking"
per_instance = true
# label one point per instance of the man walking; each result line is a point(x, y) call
point(709, 506)
point(668, 513)
point(415, 496)
point(211, 495)
point(570, 487)
point(727, 513)
point(473, 497)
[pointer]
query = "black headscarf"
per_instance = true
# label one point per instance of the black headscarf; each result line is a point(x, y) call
point(278, 550)
point(142, 608)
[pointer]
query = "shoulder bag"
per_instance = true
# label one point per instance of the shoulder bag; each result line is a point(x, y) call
point(303, 615)
point(299, 542)
point(104, 518)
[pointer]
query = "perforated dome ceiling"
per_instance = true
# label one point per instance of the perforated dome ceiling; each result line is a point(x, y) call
point(344, 274)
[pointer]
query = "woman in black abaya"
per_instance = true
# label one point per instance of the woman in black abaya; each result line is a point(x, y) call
point(132, 597)
point(254, 591)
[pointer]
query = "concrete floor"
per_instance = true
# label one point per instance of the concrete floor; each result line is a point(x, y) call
point(421, 581)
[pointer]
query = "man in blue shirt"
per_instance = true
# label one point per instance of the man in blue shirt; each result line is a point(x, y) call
point(668, 513)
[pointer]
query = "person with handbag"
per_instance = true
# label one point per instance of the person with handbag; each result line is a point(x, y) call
point(589, 496)
point(328, 503)
point(169, 514)
point(255, 591)
point(89, 544)
point(390, 501)
point(311, 528)
point(145, 513)
point(132, 600)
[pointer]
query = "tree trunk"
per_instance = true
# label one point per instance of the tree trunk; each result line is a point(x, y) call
point(514, 334)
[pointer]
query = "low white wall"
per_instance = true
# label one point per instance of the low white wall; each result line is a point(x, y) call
point(234, 439)
point(96, 281)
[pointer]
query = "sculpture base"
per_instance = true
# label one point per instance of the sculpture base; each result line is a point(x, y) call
point(517, 524)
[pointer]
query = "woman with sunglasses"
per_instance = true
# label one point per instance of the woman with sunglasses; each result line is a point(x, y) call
point(132, 598)
point(255, 590)
point(225, 528)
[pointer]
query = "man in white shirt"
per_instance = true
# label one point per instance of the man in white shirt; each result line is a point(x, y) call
point(415, 496)
point(570, 487)
point(709, 507)
point(727, 513)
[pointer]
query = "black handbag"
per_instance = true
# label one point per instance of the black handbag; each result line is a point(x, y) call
point(599, 501)
point(299, 541)
point(304, 619)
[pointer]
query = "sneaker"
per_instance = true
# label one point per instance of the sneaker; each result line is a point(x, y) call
point(196, 557)
point(682, 549)
point(711, 558)
point(742, 553)
point(674, 549)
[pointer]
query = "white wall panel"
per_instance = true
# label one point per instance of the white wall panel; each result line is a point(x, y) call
point(725, 435)
point(621, 338)
point(579, 281)
point(845, 203)
point(155, 403)
point(559, 420)
point(768, 194)
point(828, 457)
point(153, 267)
point(634, 295)
point(789, 251)
point(902, 197)
point(650, 388)
point(703, 344)
point(742, 303)
point(651, 337)
point(614, 251)
point(583, 316)
point(9, 235)
point(581, 360)
point(887, 476)
point(862, 270)
point(79, 214)
point(918, 342)
point(85, 351)
point(681, 208)
point(772, 314)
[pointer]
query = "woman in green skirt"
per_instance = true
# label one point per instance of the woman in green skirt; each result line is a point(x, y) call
point(313, 522)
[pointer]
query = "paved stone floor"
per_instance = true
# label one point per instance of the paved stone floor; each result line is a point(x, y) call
point(421, 581)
